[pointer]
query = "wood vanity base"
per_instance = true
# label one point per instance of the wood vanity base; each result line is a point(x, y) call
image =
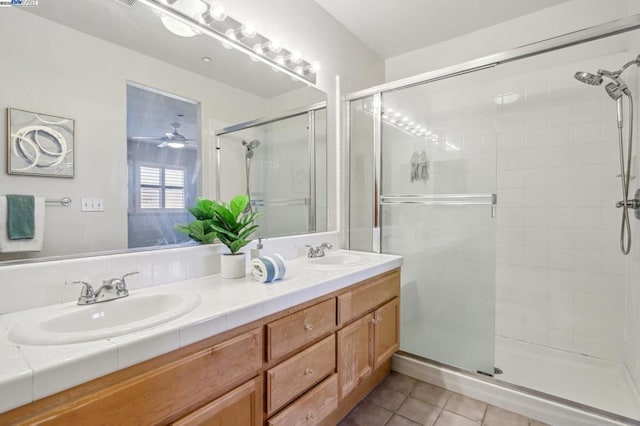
point(307, 365)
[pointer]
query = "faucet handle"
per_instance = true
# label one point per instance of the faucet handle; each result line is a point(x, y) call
point(326, 245)
point(121, 286)
point(87, 290)
point(127, 275)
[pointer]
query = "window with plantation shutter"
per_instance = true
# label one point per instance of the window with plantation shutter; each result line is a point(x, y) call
point(161, 188)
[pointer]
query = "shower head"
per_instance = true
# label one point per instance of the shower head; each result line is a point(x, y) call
point(588, 78)
point(251, 145)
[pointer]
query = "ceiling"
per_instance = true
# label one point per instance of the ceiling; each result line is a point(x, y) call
point(393, 27)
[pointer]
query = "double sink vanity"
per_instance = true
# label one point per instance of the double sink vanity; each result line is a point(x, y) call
point(302, 350)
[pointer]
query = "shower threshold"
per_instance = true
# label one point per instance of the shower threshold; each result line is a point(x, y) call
point(529, 402)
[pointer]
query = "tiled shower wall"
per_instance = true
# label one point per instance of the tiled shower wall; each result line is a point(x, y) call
point(561, 280)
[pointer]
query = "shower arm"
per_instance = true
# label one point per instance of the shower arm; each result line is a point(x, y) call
point(615, 75)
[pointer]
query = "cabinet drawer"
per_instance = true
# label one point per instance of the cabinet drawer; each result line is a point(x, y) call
point(378, 290)
point(240, 407)
point(299, 373)
point(311, 408)
point(294, 331)
point(163, 394)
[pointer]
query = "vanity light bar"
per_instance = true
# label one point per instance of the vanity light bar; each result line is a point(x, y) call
point(229, 32)
point(395, 119)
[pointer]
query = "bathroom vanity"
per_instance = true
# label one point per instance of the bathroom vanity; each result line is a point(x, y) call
point(310, 361)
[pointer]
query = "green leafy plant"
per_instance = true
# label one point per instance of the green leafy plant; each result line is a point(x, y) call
point(228, 223)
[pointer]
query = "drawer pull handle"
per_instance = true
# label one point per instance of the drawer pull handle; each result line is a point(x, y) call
point(308, 326)
point(308, 371)
point(311, 416)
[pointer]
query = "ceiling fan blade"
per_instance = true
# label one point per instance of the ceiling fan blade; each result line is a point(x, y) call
point(146, 138)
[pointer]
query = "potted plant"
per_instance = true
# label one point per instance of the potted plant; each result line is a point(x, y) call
point(230, 224)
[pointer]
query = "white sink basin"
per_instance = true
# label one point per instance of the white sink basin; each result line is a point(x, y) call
point(73, 324)
point(338, 260)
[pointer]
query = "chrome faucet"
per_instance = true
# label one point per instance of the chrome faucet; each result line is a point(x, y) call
point(113, 288)
point(318, 251)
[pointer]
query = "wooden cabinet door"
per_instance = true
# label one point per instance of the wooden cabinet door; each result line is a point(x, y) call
point(355, 354)
point(240, 407)
point(386, 322)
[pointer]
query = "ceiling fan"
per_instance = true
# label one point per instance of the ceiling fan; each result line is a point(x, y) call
point(173, 139)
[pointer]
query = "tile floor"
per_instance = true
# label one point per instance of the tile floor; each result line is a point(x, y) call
point(403, 401)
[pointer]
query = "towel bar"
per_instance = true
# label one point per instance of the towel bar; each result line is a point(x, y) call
point(64, 201)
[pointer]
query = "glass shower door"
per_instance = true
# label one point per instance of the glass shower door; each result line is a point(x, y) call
point(437, 209)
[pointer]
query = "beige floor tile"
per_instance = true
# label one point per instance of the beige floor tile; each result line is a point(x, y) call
point(537, 423)
point(447, 418)
point(432, 394)
point(386, 398)
point(397, 420)
point(498, 417)
point(465, 406)
point(400, 383)
point(366, 414)
point(419, 411)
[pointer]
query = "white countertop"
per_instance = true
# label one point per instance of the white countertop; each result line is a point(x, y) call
point(28, 373)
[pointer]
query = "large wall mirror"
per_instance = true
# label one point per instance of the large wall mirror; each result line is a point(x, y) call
point(152, 120)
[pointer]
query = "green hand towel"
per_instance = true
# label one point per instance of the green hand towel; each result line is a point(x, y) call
point(20, 217)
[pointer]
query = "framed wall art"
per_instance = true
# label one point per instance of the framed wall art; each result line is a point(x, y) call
point(39, 144)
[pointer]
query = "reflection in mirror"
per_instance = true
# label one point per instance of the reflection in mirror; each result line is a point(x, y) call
point(77, 61)
point(163, 165)
point(280, 163)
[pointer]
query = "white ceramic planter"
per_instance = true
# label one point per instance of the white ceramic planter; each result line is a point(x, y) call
point(232, 265)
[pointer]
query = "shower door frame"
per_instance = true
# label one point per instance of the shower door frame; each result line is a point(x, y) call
point(310, 111)
point(586, 35)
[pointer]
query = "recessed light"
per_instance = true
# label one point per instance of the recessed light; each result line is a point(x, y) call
point(206, 59)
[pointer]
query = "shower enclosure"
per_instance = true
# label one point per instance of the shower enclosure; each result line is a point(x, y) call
point(497, 180)
point(280, 163)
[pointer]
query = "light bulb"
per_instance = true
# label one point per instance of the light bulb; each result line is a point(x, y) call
point(405, 119)
point(248, 29)
point(217, 12)
point(411, 123)
point(279, 60)
point(397, 115)
point(299, 70)
point(192, 8)
point(275, 45)
point(295, 57)
point(315, 67)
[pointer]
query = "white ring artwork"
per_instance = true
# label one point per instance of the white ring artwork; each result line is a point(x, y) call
point(39, 144)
